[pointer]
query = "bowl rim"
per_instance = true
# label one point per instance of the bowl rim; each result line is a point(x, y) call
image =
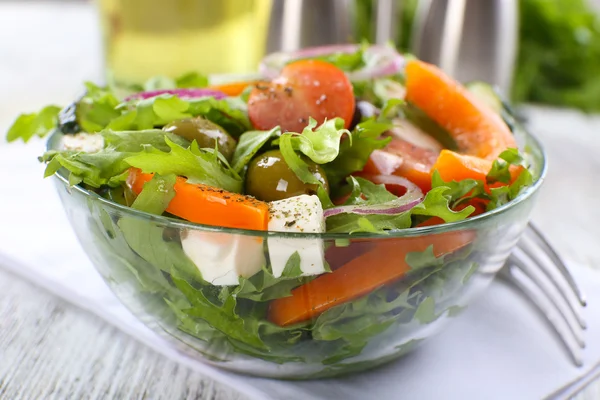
point(538, 149)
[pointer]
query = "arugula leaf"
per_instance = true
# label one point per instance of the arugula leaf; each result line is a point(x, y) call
point(292, 267)
point(263, 286)
point(223, 318)
point(425, 259)
point(249, 145)
point(199, 166)
point(502, 195)
point(147, 240)
point(500, 171)
point(425, 313)
point(39, 124)
point(374, 223)
point(355, 152)
point(367, 193)
point(460, 191)
point(437, 204)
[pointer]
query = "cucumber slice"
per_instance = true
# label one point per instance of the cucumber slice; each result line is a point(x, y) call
point(486, 93)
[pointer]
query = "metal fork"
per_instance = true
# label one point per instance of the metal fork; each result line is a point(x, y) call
point(539, 273)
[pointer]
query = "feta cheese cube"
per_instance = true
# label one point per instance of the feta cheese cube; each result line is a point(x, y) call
point(297, 214)
point(85, 142)
point(222, 258)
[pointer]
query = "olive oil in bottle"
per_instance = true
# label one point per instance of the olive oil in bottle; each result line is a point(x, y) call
point(145, 38)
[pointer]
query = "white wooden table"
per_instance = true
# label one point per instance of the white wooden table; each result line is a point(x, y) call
point(50, 349)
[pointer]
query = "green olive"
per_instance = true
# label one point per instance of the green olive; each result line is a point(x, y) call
point(205, 132)
point(269, 178)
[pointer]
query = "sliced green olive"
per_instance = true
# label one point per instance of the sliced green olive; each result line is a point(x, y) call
point(269, 178)
point(205, 132)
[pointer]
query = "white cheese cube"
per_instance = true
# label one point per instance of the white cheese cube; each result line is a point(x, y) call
point(85, 142)
point(297, 214)
point(222, 258)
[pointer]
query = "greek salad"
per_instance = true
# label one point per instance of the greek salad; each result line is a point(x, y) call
point(349, 141)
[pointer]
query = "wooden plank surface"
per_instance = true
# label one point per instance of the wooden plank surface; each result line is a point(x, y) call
point(50, 349)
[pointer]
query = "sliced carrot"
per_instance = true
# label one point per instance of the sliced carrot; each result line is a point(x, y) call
point(381, 265)
point(210, 206)
point(457, 167)
point(232, 89)
point(476, 129)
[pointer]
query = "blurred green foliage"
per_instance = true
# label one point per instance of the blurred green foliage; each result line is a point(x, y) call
point(559, 50)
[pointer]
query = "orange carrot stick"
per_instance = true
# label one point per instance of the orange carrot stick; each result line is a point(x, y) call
point(232, 89)
point(457, 167)
point(477, 130)
point(382, 264)
point(208, 205)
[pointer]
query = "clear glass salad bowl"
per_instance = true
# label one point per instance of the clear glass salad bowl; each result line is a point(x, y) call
point(438, 269)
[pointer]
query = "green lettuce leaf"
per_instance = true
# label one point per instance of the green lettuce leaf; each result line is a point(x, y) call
point(191, 80)
point(108, 166)
point(198, 165)
point(97, 108)
point(249, 145)
point(230, 113)
point(321, 144)
point(135, 141)
point(93, 169)
point(39, 124)
point(355, 152)
point(295, 162)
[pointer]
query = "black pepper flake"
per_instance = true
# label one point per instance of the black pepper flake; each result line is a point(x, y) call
point(289, 224)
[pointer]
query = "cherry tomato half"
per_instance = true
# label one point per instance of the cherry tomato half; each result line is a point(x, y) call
point(305, 89)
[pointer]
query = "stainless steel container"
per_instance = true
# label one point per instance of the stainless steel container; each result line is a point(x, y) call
point(470, 39)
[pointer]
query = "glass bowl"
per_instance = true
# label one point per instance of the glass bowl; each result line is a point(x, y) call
point(439, 270)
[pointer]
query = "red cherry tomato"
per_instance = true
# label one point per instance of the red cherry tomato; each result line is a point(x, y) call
point(305, 89)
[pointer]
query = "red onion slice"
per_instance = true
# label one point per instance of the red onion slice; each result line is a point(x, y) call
point(181, 93)
point(385, 60)
point(411, 198)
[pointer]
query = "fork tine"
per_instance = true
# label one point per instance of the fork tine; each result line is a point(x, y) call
point(527, 287)
point(534, 233)
point(555, 275)
point(531, 268)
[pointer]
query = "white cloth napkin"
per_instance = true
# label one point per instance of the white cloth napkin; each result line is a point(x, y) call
point(499, 348)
